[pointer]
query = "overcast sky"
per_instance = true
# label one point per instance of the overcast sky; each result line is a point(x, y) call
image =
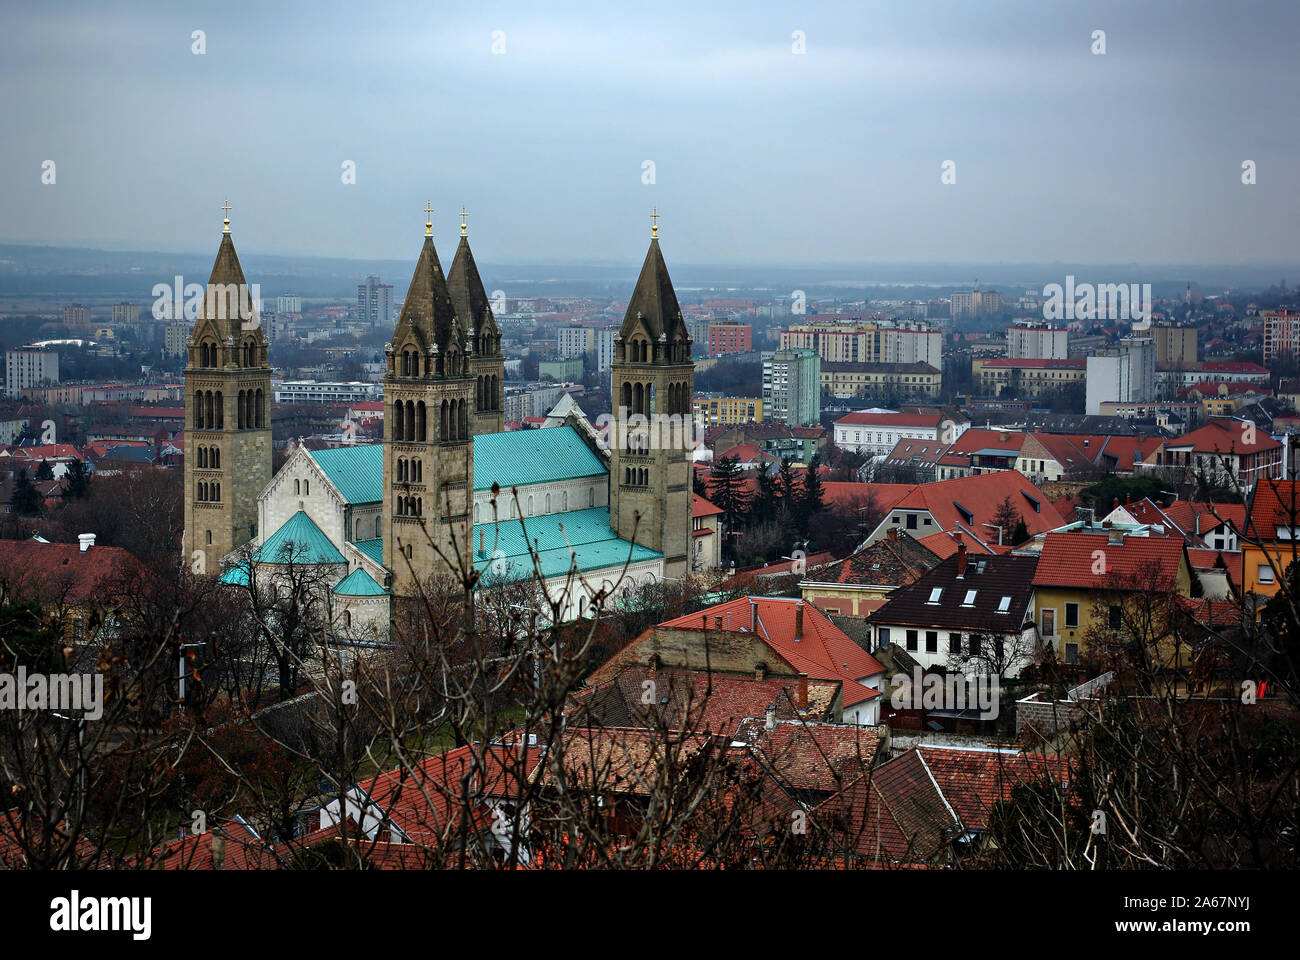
point(761, 155)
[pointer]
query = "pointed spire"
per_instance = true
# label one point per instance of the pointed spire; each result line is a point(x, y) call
point(427, 310)
point(654, 299)
point(227, 293)
point(467, 292)
point(226, 207)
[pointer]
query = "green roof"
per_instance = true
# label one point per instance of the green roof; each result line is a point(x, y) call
point(299, 540)
point(358, 583)
point(374, 549)
point(238, 575)
point(521, 457)
point(357, 471)
point(585, 540)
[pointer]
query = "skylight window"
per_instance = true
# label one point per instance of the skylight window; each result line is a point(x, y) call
point(1004, 606)
point(935, 594)
point(970, 598)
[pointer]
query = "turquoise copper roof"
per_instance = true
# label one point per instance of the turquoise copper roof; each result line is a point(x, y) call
point(237, 575)
point(358, 583)
point(521, 457)
point(357, 471)
point(374, 549)
point(580, 537)
point(298, 541)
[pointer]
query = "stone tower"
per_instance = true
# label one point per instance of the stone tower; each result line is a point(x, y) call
point(428, 443)
point(227, 416)
point(487, 365)
point(650, 449)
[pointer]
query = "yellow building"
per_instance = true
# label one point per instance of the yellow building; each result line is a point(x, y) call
point(729, 411)
point(1270, 532)
point(1087, 583)
point(1025, 377)
point(867, 379)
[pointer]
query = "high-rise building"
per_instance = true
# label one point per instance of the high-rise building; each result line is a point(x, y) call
point(76, 315)
point(124, 313)
point(976, 303)
point(1175, 344)
point(227, 421)
point(1281, 334)
point(289, 304)
point(653, 374)
point(730, 337)
point(176, 337)
point(1123, 374)
point(375, 303)
point(728, 411)
point(28, 367)
point(1037, 341)
point(839, 340)
point(792, 386)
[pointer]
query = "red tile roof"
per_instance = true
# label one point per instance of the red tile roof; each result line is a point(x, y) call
point(1276, 503)
point(703, 508)
point(981, 495)
point(1218, 437)
point(1068, 560)
point(50, 571)
point(824, 652)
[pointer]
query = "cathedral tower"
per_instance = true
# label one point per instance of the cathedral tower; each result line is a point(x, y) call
point(227, 416)
point(487, 365)
point(428, 444)
point(653, 388)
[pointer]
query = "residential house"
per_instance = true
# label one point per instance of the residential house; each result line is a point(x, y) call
point(860, 583)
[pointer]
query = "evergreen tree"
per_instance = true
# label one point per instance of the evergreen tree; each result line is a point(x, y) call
point(697, 484)
point(763, 509)
point(813, 494)
point(785, 486)
point(727, 486)
point(1021, 534)
point(1006, 518)
point(26, 499)
point(76, 482)
point(44, 472)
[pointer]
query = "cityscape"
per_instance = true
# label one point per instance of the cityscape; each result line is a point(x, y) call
point(357, 516)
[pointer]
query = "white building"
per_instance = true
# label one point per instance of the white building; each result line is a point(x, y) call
point(1123, 374)
point(318, 391)
point(27, 367)
point(1037, 342)
point(877, 433)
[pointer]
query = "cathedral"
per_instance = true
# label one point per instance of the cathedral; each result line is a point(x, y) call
point(448, 486)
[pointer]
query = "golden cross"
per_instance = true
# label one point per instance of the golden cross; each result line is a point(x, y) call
point(226, 207)
point(428, 223)
point(654, 224)
point(463, 217)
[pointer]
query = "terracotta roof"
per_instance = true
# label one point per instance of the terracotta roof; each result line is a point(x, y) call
point(816, 757)
point(50, 571)
point(891, 419)
point(974, 501)
point(1068, 560)
point(703, 508)
point(824, 652)
point(850, 494)
point(943, 545)
point(1275, 503)
point(1217, 437)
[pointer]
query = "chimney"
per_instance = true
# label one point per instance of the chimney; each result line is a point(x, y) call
point(728, 621)
point(218, 851)
point(717, 621)
point(798, 621)
point(1115, 505)
point(1116, 536)
point(961, 559)
point(893, 533)
point(652, 666)
point(753, 617)
point(771, 718)
point(803, 692)
point(87, 541)
point(760, 671)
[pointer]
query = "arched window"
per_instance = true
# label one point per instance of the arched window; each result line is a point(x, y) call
point(347, 619)
point(261, 409)
point(239, 411)
point(396, 432)
point(548, 503)
point(297, 488)
point(530, 505)
point(410, 419)
point(221, 412)
point(378, 534)
point(209, 416)
point(408, 551)
point(591, 496)
point(464, 421)
point(566, 501)
point(209, 537)
point(203, 457)
point(306, 488)
point(421, 432)
point(443, 434)
point(419, 506)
